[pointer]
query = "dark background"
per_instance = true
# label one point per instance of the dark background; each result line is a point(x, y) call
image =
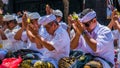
point(74, 6)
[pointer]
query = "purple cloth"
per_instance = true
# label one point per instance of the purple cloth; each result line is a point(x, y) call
point(2, 54)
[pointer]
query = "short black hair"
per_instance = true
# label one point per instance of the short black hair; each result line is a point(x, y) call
point(84, 12)
point(13, 21)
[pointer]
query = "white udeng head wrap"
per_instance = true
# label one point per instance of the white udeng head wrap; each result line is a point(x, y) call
point(58, 13)
point(89, 16)
point(34, 15)
point(46, 19)
point(19, 20)
point(8, 17)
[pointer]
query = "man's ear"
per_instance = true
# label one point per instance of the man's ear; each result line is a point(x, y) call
point(54, 25)
point(94, 20)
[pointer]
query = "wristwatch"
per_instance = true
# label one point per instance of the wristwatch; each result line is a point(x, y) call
point(84, 32)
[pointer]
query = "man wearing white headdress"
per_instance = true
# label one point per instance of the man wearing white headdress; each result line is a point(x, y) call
point(56, 42)
point(34, 21)
point(2, 37)
point(94, 38)
point(11, 44)
point(22, 33)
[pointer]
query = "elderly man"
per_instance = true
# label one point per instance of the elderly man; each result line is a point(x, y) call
point(55, 46)
point(93, 38)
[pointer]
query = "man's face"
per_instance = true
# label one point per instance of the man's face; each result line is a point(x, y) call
point(11, 24)
point(89, 25)
point(35, 23)
point(50, 27)
point(58, 18)
point(48, 9)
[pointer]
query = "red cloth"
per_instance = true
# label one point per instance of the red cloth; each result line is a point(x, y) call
point(11, 62)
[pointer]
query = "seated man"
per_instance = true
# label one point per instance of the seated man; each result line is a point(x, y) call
point(22, 35)
point(94, 38)
point(114, 23)
point(7, 36)
point(56, 44)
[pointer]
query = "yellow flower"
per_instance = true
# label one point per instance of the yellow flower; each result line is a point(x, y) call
point(28, 20)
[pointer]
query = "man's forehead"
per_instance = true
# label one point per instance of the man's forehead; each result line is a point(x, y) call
point(89, 16)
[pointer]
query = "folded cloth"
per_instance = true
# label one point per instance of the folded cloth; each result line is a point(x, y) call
point(2, 54)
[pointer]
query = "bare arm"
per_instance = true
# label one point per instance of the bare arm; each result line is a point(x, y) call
point(79, 27)
point(75, 41)
point(38, 39)
point(24, 25)
point(90, 41)
point(3, 36)
point(117, 23)
point(46, 44)
point(110, 25)
point(30, 36)
point(18, 34)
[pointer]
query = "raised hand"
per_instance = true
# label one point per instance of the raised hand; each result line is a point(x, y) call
point(24, 21)
point(32, 29)
point(3, 36)
point(77, 25)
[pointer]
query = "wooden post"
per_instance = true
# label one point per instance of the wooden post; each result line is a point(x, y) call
point(1, 4)
point(66, 9)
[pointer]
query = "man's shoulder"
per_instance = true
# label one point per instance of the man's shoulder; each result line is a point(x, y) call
point(6, 31)
point(61, 31)
point(105, 28)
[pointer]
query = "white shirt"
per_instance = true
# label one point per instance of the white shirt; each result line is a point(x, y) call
point(72, 33)
point(12, 44)
point(63, 25)
point(116, 35)
point(61, 43)
point(29, 44)
point(105, 47)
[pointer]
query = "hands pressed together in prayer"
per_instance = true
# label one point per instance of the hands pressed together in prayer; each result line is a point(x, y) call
point(32, 29)
point(114, 20)
point(29, 26)
point(77, 25)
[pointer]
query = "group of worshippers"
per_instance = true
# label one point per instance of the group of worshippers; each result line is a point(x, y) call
point(49, 36)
